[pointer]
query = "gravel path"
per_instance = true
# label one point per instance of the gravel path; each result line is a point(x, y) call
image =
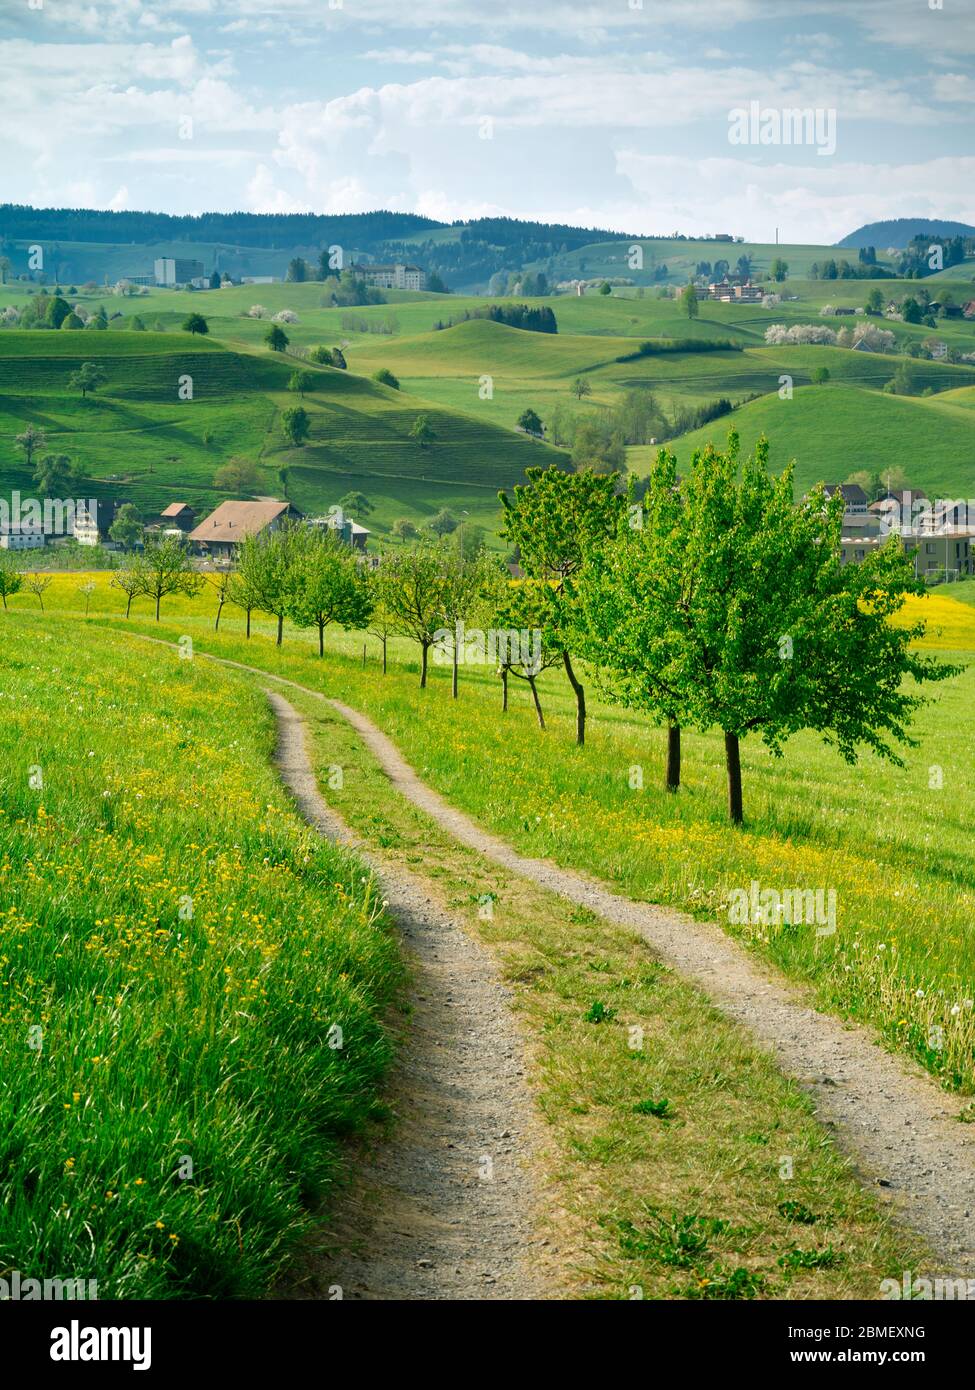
point(891, 1118)
point(897, 1125)
point(446, 1208)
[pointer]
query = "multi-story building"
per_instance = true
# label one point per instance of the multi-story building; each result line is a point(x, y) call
point(392, 277)
point(172, 271)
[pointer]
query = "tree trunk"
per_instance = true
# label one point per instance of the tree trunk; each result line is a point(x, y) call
point(216, 625)
point(504, 690)
point(158, 598)
point(733, 759)
point(538, 707)
point(453, 674)
point(423, 665)
point(248, 624)
point(280, 628)
point(321, 639)
point(580, 695)
point(128, 606)
point(384, 656)
point(673, 756)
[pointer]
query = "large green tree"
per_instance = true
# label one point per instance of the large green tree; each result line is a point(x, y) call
point(328, 586)
point(556, 520)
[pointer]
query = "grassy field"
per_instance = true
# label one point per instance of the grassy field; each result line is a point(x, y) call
point(175, 948)
point(474, 380)
point(664, 1165)
point(136, 438)
point(892, 843)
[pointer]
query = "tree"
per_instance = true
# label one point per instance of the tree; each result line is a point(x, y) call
point(382, 624)
point(297, 272)
point(580, 387)
point(238, 475)
point(404, 529)
point(443, 522)
point(129, 579)
point(327, 587)
point(88, 588)
point(422, 431)
point(302, 381)
point(464, 581)
point(605, 288)
point(296, 424)
point(771, 634)
point(165, 569)
point(72, 323)
point(875, 302)
point(527, 645)
point(531, 423)
point(356, 502)
point(57, 311)
point(195, 323)
point(266, 563)
point(779, 270)
point(338, 359)
point(468, 540)
point(55, 476)
point(385, 378)
point(410, 588)
point(276, 338)
point(126, 528)
point(11, 580)
point(688, 301)
point(88, 377)
point(33, 440)
point(820, 376)
point(242, 594)
point(556, 520)
point(215, 280)
point(38, 584)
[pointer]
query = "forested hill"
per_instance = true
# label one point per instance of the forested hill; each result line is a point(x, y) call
point(901, 231)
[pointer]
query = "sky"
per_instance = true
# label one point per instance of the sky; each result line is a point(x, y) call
point(611, 113)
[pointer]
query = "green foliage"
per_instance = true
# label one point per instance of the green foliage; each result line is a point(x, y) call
point(689, 302)
point(296, 423)
point(126, 528)
point(195, 323)
point(422, 431)
point(276, 338)
point(386, 378)
point(88, 377)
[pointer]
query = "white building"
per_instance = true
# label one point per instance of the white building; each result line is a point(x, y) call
point(392, 277)
point(20, 535)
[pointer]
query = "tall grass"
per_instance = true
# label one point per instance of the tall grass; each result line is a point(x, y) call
point(176, 954)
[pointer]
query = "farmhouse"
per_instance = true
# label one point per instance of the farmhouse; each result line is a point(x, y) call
point(92, 520)
point(228, 527)
point(392, 277)
point(354, 535)
point(179, 516)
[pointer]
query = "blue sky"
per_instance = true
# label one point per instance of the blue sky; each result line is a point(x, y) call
point(610, 113)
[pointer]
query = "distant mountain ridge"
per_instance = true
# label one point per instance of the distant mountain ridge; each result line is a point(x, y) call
point(899, 231)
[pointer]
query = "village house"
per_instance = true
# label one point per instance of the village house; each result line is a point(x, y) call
point(91, 523)
point(354, 535)
point(225, 529)
point(178, 516)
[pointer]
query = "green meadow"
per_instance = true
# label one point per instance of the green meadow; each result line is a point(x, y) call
point(176, 950)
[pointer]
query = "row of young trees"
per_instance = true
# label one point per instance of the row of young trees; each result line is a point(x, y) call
point(712, 602)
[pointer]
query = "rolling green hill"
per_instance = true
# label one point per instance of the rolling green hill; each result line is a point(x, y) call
point(837, 429)
point(136, 438)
